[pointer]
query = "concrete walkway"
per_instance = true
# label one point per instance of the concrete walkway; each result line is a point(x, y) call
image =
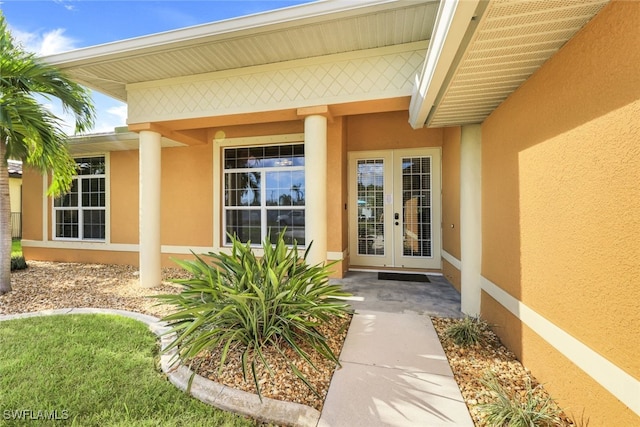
point(394, 370)
point(394, 373)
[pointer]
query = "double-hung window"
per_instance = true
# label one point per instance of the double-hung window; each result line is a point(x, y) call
point(264, 192)
point(80, 214)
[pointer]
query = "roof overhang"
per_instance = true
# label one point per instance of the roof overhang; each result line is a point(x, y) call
point(309, 30)
point(119, 140)
point(481, 52)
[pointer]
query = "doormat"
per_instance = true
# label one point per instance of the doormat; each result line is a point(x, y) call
point(404, 277)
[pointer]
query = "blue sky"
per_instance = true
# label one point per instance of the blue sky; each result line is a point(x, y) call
point(54, 26)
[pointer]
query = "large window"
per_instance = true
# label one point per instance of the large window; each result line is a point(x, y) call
point(264, 191)
point(80, 214)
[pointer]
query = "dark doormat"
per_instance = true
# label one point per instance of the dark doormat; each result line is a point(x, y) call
point(405, 277)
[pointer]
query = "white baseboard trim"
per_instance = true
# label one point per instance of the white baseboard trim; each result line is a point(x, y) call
point(620, 384)
point(452, 260)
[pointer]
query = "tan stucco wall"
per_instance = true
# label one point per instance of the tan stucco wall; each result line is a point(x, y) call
point(32, 191)
point(385, 131)
point(187, 196)
point(451, 202)
point(561, 204)
point(124, 200)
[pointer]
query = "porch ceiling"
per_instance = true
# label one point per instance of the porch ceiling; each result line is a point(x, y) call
point(512, 40)
point(310, 30)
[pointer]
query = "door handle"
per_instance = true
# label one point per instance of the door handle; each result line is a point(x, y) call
point(396, 216)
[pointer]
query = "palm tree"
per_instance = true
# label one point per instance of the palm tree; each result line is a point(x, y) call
point(30, 132)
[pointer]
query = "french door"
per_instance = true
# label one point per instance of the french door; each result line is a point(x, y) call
point(394, 215)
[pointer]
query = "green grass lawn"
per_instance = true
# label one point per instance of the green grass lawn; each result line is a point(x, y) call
point(16, 248)
point(93, 370)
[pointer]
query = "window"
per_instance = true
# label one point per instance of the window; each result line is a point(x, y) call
point(80, 214)
point(264, 191)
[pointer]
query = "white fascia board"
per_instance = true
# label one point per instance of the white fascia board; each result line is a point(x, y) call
point(234, 27)
point(452, 22)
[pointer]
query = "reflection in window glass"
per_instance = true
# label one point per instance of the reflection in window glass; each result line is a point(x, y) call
point(264, 190)
point(80, 214)
point(370, 175)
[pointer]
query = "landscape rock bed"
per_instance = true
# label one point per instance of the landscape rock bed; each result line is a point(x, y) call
point(470, 364)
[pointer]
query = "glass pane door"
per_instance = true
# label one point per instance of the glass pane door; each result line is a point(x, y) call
point(416, 206)
point(370, 200)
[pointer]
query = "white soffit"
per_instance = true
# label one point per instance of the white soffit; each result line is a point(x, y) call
point(110, 141)
point(309, 30)
point(513, 39)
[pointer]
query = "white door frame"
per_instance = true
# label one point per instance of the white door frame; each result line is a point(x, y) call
point(391, 256)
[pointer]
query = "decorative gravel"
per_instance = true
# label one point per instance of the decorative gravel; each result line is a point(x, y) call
point(470, 364)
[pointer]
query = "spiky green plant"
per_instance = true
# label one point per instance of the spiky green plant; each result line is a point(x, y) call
point(238, 299)
point(531, 410)
point(466, 331)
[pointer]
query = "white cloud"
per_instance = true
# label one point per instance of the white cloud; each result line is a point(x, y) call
point(44, 43)
point(109, 112)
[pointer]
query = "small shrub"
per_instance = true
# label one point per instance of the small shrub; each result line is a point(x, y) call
point(467, 331)
point(18, 263)
point(531, 410)
point(276, 301)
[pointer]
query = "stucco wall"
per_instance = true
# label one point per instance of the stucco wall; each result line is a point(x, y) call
point(187, 196)
point(124, 200)
point(561, 207)
point(451, 202)
point(385, 131)
point(32, 191)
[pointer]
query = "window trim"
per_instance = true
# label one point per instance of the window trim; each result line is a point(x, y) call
point(219, 143)
point(106, 208)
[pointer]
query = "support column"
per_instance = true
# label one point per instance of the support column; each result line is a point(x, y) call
point(149, 221)
point(315, 176)
point(471, 218)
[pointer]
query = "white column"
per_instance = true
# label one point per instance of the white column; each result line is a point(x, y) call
point(315, 153)
point(150, 252)
point(471, 217)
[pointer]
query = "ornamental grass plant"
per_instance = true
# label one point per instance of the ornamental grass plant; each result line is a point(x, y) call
point(467, 331)
point(526, 409)
point(239, 300)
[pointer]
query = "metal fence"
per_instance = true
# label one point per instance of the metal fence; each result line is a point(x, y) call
point(16, 225)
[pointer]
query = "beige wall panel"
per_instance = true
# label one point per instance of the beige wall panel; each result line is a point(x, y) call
point(385, 131)
point(451, 191)
point(31, 204)
point(187, 196)
point(561, 189)
point(79, 255)
point(124, 200)
point(452, 274)
point(575, 391)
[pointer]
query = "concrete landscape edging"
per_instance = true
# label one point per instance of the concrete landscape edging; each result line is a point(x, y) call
point(203, 389)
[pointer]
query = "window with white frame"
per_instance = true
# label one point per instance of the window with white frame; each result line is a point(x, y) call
point(80, 214)
point(264, 192)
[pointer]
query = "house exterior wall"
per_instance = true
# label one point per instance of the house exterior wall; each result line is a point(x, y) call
point(15, 194)
point(32, 204)
point(451, 205)
point(561, 216)
point(386, 131)
point(188, 202)
point(124, 201)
